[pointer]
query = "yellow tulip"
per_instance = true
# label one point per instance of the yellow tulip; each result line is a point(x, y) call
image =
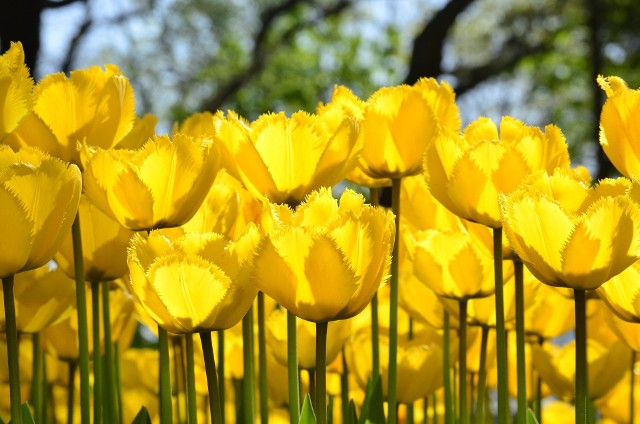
point(39, 197)
point(558, 412)
point(160, 185)
point(614, 406)
point(419, 301)
point(628, 332)
point(227, 209)
point(621, 294)
point(619, 132)
point(468, 172)
point(400, 122)
point(42, 298)
point(15, 89)
point(550, 314)
point(93, 106)
point(421, 211)
point(570, 235)
point(104, 246)
point(194, 282)
point(285, 158)
point(139, 391)
point(198, 124)
point(326, 261)
point(276, 323)
point(143, 129)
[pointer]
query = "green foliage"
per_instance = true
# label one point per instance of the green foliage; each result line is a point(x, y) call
point(372, 407)
point(307, 416)
point(142, 417)
point(531, 418)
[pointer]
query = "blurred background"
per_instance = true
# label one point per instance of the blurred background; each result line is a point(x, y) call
point(536, 60)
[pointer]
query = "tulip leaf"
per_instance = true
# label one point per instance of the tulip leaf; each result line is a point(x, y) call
point(307, 416)
point(531, 418)
point(27, 418)
point(372, 407)
point(142, 417)
point(353, 415)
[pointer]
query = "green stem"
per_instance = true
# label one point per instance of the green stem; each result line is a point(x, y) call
point(581, 391)
point(425, 409)
point(12, 349)
point(97, 362)
point(166, 414)
point(116, 357)
point(462, 362)
point(212, 377)
point(321, 372)
point(109, 386)
point(192, 403)
point(344, 387)
point(36, 380)
point(221, 380)
point(45, 388)
point(262, 362)
point(83, 328)
point(393, 305)
point(70, 391)
point(632, 388)
point(375, 339)
point(446, 372)
point(435, 409)
point(482, 376)
point(178, 377)
point(539, 389)
point(248, 377)
point(521, 416)
point(292, 369)
point(501, 342)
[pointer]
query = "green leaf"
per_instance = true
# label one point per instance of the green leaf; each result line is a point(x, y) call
point(353, 416)
point(142, 417)
point(373, 405)
point(27, 418)
point(307, 416)
point(531, 418)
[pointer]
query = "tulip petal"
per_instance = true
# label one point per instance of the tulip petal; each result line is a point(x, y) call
point(14, 227)
point(115, 113)
point(15, 89)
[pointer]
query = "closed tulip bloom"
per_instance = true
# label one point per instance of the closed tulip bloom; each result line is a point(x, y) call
point(628, 332)
point(400, 122)
point(326, 261)
point(286, 158)
point(42, 298)
point(162, 184)
point(621, 293)
point(619, 132)
point(104, 246)
point(15, 89)
point(550, 315)
point(337, 335)
point(570, 235)
point(468, 172)
point(39, 197)
point(421, 211)
point(93, 106)
point(193, 282)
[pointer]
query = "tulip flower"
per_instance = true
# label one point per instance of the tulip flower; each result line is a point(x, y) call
point(15, 89)
point(619, 132)
point(620, 293)
point(160, 185)
point(194, 282)
point(93, 106)
point(285, 158)
point(549, 315)
point(326, 260)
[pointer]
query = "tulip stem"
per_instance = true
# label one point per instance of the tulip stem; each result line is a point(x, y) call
point(109, 386)
point(462, 362)
point(632, 388)
point(36, 380)
point(521, 416)
point(393, 304)
point(70, 391)
point(221, 380)
point(191, 382)
point(118, 380)
point(292, 369)
point(446, 372)
point(212, 378)
point(83, 328)
point(538, 381)
point(375, 340)
point(262, 362)
point(166, 414)
point(581, 392)
point(501, 342)
point(97, 362)
point(248, 376)
point(344, 387)
point(482, 376)
point(12, 348)
point(321, 372)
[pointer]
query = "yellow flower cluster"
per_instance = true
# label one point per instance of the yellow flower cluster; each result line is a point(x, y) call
point(184, 233)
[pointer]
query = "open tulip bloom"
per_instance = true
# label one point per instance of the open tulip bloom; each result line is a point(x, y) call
point(571, 235)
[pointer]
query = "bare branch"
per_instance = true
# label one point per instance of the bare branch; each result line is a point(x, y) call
point(52, 4)
point(262, 51)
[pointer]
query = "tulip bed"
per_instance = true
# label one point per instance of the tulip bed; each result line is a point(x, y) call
point(119, 246)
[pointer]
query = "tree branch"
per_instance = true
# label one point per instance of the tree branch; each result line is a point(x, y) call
point(426, 57)
point(262, 50)
point(52, 4)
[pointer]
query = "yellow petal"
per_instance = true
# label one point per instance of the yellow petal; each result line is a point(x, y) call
point(16, 233)
point(15, 89)
point(114, 115)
